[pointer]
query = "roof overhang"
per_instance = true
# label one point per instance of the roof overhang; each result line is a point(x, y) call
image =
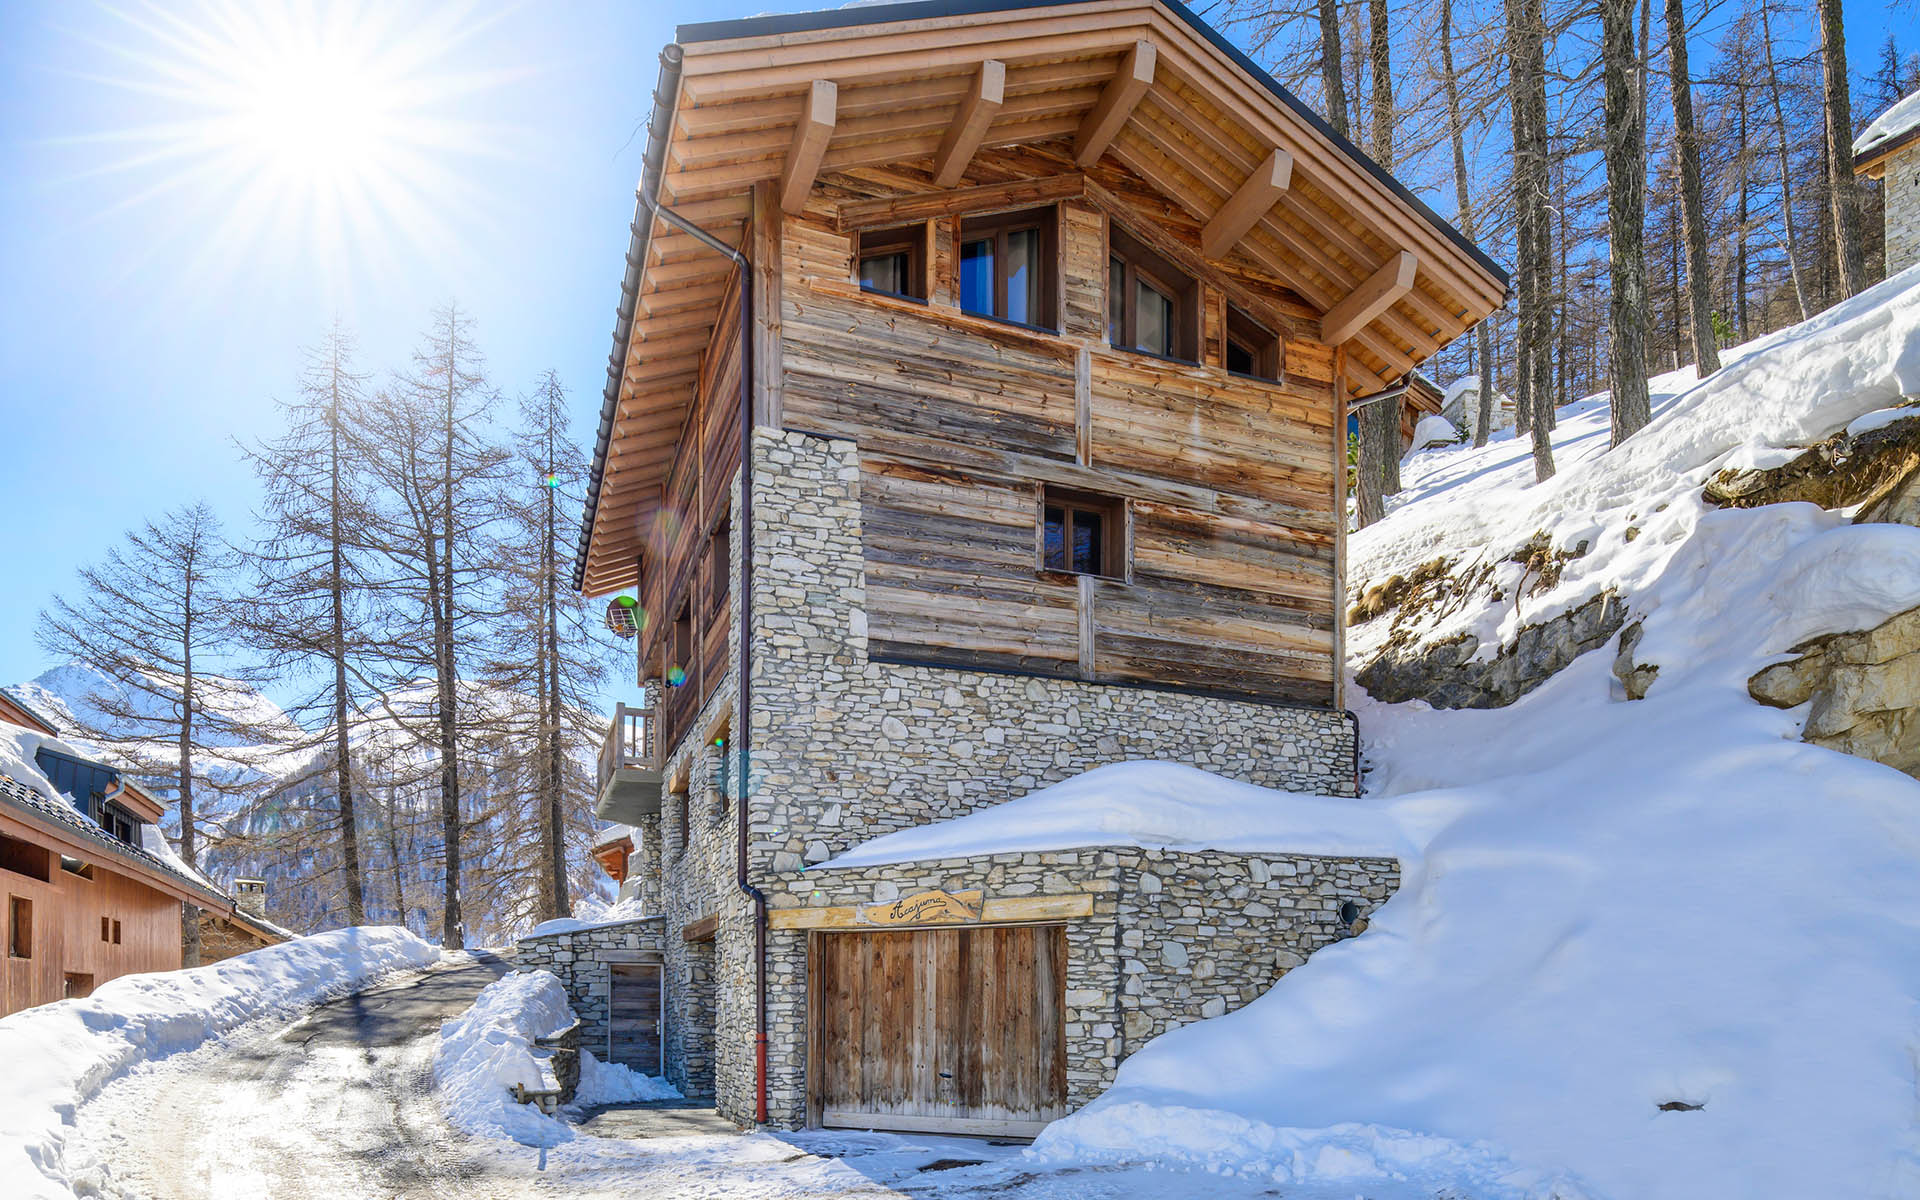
point(887, 86)
point(1873, 164)
point(25, 819)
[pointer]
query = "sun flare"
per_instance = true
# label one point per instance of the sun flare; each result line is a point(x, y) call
point(322, 131)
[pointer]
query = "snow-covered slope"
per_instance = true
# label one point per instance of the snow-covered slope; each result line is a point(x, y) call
point(1643, 949)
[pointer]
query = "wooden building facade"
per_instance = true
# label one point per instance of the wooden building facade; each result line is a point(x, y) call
point(1038, 322)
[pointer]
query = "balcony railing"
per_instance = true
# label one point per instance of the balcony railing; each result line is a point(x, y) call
point(628, 744)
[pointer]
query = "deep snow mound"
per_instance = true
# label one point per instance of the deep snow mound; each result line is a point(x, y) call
point(1649, 949)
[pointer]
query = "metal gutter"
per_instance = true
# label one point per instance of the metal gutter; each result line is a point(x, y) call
point(920, 10)
point(666, 99)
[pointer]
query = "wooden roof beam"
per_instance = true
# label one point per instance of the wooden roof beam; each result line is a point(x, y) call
point(969, 129)
point(1374, 295)
point(1244, 208)
point(810, 137)
point(1116, 104)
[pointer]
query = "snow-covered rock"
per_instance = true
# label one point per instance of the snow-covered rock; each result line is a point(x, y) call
point(59, 1055)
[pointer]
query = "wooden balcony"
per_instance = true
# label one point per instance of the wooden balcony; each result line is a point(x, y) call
point(628, 783)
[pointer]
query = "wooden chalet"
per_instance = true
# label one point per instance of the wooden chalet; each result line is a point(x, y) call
point(85, 900)
point(1044, 318)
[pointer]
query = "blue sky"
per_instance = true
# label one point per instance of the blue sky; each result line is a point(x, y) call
point(154, 298)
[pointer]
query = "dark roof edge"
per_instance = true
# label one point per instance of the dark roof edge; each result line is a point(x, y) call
point(1883, 150)
point(912, 10)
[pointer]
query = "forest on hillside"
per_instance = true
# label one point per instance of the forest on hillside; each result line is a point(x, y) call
point(1661, 179)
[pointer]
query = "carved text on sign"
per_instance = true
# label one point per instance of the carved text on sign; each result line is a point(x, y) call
point(926, 908)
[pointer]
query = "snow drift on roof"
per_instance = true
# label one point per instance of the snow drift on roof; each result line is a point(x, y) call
point(1896, 122)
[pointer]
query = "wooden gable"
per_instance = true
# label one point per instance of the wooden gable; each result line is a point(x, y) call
point(1139, 88)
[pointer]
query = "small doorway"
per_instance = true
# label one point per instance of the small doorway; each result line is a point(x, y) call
point(633, 1018)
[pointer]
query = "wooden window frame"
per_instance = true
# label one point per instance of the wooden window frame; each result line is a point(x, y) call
point(1116, 540)
point(910, 240)
point(20, 927)
point(1261, 344)
point(1141, 264)
point(997, 226)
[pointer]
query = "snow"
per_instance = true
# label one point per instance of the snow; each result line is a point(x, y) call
point(1433, 430)
point(1900, 119)
point(489, 1048)
point(1880, 419)
point(1607, 906)
point(593, 913)
point(1151, 805)
point(614, 1083)
point(60, 1055)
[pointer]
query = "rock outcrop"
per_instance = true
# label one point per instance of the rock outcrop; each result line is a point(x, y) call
point(1449, 674)
point(1879, 469)
point(1864, 688)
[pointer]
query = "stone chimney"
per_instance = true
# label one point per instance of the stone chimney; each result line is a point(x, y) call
point(250, 897)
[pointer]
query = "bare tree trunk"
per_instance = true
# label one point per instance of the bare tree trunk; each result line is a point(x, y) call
point(554, 783)
point(1526, 33)
point(1844, 201)
point(1626, 223)
point(1463, 200)
point(1706, 349)
point(337, 597)
point(1380, 419)
point(1331, 77)
point(1369, 501)
point(1741, 215)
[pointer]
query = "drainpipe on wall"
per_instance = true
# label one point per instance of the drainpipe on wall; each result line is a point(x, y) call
point(659, 130)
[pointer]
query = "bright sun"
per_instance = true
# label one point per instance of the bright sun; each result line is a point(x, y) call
point(322, 130)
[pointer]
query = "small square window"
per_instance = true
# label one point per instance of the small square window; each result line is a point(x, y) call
point(1151, 304)
point(1082, 534)
point(894, 261)
point(1252, 348)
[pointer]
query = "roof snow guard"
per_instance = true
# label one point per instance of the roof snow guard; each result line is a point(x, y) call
point(39, 809)
point(1144, 84)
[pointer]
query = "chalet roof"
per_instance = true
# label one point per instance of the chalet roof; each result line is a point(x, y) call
point(1146, 82)
point(1890, 132)
point(37, 808)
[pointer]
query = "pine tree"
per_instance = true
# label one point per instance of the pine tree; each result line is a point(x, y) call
point(1626, 155)
point(434, 514)
point(310, 575)
point(153, 618)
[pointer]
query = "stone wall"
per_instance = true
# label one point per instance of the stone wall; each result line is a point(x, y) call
point(1190, 935)
point(845, 749)
point(1902, 200)
point(582, 960)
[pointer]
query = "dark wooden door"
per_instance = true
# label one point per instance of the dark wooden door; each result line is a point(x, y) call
point(957, 1030)
point(633, 1018)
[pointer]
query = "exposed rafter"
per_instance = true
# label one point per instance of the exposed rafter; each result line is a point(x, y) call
point(1244, 208)
point(810, 137)
point(1380, 289)
point(969, 129)
point(1116, 104)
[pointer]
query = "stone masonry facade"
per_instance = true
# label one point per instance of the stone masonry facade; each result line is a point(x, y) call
point(1188, 935)
point(1901, 198)
point(844, 749)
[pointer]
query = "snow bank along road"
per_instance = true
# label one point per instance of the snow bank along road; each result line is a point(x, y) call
point(340, 1105)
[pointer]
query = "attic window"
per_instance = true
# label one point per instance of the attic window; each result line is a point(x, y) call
point(1252, 348)
point(1151, 304)
point(893, 262)
point(1007, 268)
point(1083, 534)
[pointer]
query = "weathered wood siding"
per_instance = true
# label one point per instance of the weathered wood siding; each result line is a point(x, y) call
point(681, 573)
point(1228, 482)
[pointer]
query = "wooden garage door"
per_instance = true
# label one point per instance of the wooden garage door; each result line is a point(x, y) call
point(955, 1030)
point(633, 1026)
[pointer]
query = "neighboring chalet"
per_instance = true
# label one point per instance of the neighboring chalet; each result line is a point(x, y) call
point(86, 901)
point(1034, 324)
point(1889, 150)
